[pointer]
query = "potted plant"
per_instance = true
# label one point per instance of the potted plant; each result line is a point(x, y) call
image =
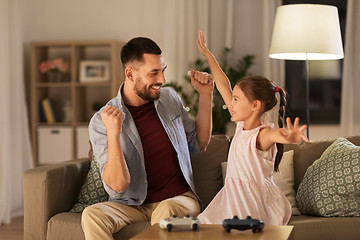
point(96, 106)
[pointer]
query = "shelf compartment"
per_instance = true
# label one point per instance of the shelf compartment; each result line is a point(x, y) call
point(93, 84)
point(56, 124)
point(49, 85)
point(49, 53)
point(87, 52)
point(79, 96)
point(58, 96)
point(85, 99)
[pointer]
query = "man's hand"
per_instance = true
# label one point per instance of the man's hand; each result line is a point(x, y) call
point(202, 82)
point(112, 119)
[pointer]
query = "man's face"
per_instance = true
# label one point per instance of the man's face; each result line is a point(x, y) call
point(149, 76)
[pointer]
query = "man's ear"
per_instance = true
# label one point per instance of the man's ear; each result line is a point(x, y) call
point(257, 104)
point(129, 73)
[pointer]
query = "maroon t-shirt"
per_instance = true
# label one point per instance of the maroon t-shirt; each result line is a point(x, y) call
point(164, 175)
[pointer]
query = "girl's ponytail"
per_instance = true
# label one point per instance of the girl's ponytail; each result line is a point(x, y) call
point(280, 146)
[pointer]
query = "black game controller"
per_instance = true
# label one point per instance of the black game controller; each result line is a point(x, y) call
point(243, 224)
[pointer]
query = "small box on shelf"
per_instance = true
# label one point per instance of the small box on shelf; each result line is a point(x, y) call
point(55, 144)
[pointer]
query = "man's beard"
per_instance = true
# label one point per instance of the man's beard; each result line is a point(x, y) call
point(145, 94)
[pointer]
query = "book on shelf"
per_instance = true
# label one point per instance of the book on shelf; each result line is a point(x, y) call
point(42, 112)
point(48, 109)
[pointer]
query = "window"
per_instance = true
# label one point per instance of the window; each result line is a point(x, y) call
point(324, 80)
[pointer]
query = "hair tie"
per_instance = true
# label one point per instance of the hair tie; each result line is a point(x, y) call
point(276, 89)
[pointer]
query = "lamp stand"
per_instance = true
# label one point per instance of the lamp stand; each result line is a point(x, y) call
point(307, 97)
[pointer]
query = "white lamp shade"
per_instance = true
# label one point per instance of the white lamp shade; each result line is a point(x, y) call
point(306, 31)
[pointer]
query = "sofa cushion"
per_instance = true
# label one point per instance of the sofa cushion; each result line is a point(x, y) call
point(315, 228)
point(207, 168)
point(65, 226)
point(92, 191)
point(331, 185)
point(68, 226)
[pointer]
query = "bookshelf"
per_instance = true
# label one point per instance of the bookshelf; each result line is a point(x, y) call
point(71, 98)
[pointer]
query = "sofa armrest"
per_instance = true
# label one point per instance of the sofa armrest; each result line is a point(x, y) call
point(49, 190)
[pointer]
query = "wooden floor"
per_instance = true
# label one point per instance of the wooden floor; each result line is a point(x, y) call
point(13, 231)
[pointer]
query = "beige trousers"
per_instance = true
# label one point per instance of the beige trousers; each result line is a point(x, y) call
point(101, 220)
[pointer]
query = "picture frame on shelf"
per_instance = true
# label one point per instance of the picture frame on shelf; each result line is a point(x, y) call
point(94, 71)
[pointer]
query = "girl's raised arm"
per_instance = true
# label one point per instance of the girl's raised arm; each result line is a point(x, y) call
point(221, 81)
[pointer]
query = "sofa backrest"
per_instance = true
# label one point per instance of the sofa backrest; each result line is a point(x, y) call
point(306, 153)
point(207, 168)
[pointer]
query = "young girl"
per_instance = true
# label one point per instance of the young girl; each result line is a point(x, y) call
point(249, 189)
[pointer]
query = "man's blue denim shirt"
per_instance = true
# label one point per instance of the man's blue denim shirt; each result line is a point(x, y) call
point(179, 127)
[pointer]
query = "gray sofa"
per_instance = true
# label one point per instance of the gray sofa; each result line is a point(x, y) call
point(50, 192)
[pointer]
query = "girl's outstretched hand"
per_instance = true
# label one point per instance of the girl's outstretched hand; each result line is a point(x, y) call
point(201, 43)
point(294, 134)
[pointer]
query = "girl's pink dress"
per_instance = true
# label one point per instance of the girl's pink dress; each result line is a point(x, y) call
point(249, 189)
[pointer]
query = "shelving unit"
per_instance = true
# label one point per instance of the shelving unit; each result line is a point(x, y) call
point(61, 141)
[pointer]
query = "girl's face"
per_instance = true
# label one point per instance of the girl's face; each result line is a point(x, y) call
point(241, 108)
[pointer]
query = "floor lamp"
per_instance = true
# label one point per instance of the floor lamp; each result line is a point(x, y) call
point(306, 32)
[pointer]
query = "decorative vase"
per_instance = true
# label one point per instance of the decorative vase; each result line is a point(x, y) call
point(54, 76)
point(67, 111)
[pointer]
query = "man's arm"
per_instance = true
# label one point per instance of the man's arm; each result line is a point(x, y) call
point(116, 173)
point(204, 85)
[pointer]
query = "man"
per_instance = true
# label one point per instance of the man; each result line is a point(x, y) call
point(141, 140)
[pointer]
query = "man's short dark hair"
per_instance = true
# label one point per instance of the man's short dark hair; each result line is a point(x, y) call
point(135, 49)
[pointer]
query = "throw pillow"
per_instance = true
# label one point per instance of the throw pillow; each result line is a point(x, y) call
point(92, 191)
point(331, 185)
point(284, 179)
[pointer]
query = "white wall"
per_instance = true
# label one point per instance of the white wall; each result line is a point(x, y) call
point(92, 19)
point(248, 33)
point(318, 132)
point(125, 19)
